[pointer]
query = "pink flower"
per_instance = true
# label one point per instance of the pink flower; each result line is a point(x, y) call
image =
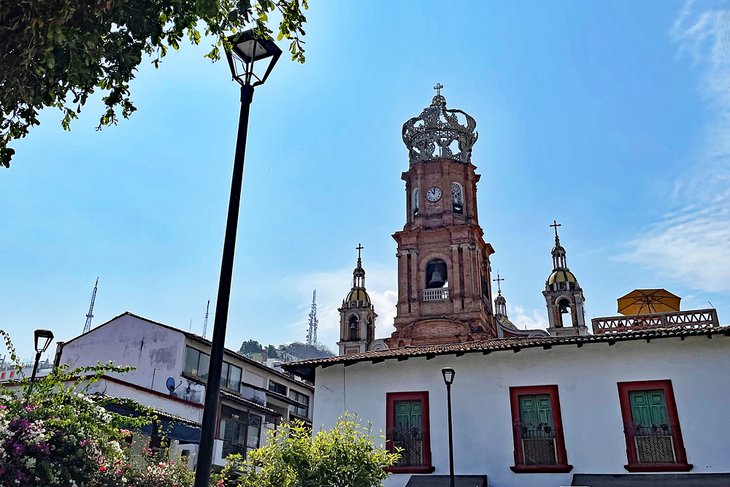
point(102, 468)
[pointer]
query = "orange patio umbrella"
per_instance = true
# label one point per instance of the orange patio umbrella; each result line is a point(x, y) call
point(646, 301)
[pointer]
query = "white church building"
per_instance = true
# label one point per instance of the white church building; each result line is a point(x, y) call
point(640, 399)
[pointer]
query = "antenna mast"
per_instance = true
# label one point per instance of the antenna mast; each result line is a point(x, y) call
point(205, 323)
point(90, 314)
point(312, 333)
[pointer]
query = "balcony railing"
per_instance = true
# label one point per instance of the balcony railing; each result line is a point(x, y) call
point(688, 319)
point(654, 444)
point(436, 294)
point(410, 443)
point(539, 445)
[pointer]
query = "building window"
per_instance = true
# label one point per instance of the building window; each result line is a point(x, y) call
point(457, 198)
point(278, 388)
point(301, 411)
point(231, 376)
point(414, 203)
point(197, 363)
point(651, 427)
point(239, 430)
point(407, 428)
point(538, 430)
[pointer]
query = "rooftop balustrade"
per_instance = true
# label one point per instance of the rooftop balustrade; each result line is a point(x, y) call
point(700, 318)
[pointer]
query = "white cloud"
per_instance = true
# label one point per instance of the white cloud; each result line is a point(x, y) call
point(527, 320)
point(332, 287)
point(691, 244)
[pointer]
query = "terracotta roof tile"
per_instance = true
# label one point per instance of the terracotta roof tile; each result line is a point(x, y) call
point(305, 367)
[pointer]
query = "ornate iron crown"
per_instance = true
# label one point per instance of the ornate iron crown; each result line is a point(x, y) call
point(440, 133)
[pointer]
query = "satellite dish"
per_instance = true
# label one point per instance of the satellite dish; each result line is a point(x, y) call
point(170, 383)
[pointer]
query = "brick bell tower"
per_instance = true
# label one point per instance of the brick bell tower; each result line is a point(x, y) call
point(444, 285)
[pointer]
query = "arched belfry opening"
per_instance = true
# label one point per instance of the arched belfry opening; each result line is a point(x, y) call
point(457, 198)
point(436, 274)
point(565, 316)
point(353, 328)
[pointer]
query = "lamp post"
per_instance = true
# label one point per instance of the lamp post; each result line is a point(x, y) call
point(246, 49)
point(42, 339)
point(449, 374)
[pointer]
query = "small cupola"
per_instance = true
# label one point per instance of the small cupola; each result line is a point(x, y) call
point(563, 294)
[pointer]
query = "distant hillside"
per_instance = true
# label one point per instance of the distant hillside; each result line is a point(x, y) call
point(287, 353)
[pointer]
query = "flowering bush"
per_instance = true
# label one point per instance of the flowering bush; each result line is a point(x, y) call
point(345, 456)
point(53, 434)
point(153, 473)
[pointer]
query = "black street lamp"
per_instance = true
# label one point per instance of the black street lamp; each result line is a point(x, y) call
point(449, 374)
point(246, 49)
point(42, 339)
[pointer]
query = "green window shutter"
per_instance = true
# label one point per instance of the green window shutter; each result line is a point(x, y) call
point(648, 408)
point(408, 414)
point(536, 409)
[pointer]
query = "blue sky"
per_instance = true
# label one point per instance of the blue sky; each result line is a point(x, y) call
point(611, 117)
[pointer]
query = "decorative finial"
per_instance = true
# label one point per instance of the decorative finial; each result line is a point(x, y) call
point(555, 225)
point(438, 88)
point(498, 280)
point(359, 248)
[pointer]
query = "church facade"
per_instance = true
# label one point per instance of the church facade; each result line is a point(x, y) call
point(557, 407)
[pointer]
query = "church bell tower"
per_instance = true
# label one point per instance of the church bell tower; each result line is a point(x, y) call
point(444, 285)
point(357, 314)
point(563, 295)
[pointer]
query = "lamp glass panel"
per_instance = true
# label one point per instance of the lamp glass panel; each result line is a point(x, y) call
point(448, 375)
point(251, 50)
point(42, 340)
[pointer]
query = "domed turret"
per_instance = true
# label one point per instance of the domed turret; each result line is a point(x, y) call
point(357, 296)
point(357, 314)
point(564, 295)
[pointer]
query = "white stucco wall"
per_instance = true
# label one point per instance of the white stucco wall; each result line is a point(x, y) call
point(156, 352)
point(162, 403)
point(587, 380)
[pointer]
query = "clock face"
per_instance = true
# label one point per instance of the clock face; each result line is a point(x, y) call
point(433, 194)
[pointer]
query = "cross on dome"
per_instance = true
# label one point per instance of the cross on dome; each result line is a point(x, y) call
point(438, 88)
point(498, 280)
point(555, 225)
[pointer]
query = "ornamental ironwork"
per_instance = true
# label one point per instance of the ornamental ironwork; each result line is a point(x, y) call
point(440, 133)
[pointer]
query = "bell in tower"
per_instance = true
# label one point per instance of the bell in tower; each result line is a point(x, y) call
point(436, 274)
point(444, 284)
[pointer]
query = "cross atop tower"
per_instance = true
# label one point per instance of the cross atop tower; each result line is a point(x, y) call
point(359, 249)
point(555, 225)
point(498, 280)
point(438, 88)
